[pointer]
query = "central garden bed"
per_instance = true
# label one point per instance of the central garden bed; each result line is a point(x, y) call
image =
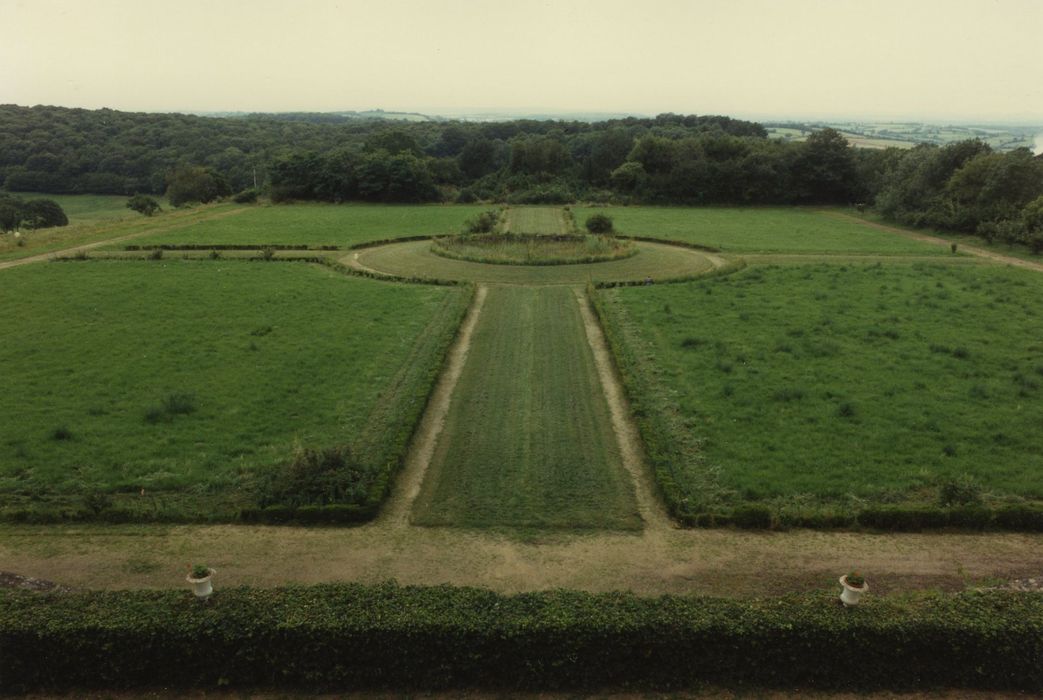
point(533, 249)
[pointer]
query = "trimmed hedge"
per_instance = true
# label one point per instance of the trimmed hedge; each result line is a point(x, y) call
point(229, 246)
point(353, 636)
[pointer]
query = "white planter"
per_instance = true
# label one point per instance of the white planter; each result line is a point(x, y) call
point(201, 586)
point(850, 595)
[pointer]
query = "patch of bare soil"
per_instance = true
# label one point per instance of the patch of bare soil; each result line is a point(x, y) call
point(710, 562)
point(407, 485)
point(25, 583)
point(973, 250)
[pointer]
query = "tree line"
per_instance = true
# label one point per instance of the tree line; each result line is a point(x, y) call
point(668, 159)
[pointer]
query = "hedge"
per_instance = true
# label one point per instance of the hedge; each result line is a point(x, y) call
point(354, 636)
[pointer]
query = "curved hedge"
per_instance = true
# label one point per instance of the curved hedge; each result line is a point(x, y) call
point(357, 636)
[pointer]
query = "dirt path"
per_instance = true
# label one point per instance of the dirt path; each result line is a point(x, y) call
point(396, 511)
point(171, 226)
point(712, 562)
point(631, 449)
point(924, 238)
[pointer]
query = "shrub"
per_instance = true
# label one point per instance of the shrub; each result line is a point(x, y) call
point(248, 196)
point(156, 254)
point(61, 433)
point(960, 491)
point(486, 222)
point(143, 204)
point(466, 196)
point(599, 223)
point(752, 517)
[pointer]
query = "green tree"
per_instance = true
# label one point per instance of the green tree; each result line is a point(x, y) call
point(195, 183)
point(143, 204)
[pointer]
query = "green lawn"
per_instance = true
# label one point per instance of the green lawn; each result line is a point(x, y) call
point(847, 382)
point(190, 378)
point(528, 442)
point(544, 220)
point(780, 229)
point(322, 224)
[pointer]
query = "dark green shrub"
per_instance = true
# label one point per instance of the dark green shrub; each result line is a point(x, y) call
point(486, 222)
point(958, 491)
point(903, 518)
point(1022, 518)
point(143, 204)
point(599, 224)
point(354, 637)
point(61, 433)
point(248, 196)
point(466, 196)
point(156, 254)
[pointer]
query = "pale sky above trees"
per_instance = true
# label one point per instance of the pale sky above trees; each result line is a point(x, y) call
point(916, 59)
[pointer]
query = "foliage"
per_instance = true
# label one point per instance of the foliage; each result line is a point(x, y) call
point(485, 222)
point(855, 579)
point(247, 196)
point(143, 204)
point(455, 638)
point(16, 212)
point(200, 571)
point(532, 249)
point(195, 184)
point(599, 223)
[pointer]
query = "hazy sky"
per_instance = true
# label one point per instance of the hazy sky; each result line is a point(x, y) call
point(927, 59)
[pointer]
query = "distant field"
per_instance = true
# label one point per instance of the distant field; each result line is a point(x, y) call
point(187, 379)
point(89, 208)
point(786, 230)
point(323, 224)
point(528, 441)
point(89, 232)
point(547, 220)
point(907, 135)
point(847, 382)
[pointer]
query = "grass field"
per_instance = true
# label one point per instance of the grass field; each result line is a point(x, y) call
point(528, 442)
point(546, 220)
point(91, 208)
point(850, 383)
point(49, 240)
point(786, 230)
point(189, 378)
point(322, 224)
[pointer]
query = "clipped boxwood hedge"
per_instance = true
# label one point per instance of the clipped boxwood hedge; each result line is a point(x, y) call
point(361, 636)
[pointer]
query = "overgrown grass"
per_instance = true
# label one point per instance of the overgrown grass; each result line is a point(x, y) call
point(323, 224)
point(178, 384)
point(843, 384)
point(778, 229)
point(533, 249)
point(528, 442)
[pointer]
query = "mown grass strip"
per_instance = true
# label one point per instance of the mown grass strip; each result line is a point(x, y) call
point(528, 441)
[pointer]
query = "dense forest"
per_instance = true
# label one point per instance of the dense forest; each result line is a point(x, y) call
point(676, 159)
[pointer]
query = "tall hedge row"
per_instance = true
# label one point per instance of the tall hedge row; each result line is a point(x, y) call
point(358, 636)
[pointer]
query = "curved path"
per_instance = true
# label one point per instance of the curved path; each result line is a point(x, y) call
point(414, 259)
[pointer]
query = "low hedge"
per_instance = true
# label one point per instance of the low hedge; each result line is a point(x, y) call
point(353, 636)
point(230, 246)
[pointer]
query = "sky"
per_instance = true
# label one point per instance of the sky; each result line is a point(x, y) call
point(956, 60)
